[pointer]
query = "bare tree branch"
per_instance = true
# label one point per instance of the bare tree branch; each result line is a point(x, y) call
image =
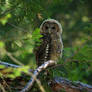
point(60, 83)
point(36, 73)
point(9, 65)
point(12, 65)
point(14, 59)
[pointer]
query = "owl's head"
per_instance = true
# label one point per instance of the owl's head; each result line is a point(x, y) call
point(50, 26)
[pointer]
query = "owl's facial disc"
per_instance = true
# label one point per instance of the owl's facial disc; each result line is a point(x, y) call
point(50, 28)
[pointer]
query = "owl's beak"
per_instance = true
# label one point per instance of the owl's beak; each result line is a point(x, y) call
point(49, 31)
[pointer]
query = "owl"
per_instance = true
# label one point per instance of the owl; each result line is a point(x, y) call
point(51, 42)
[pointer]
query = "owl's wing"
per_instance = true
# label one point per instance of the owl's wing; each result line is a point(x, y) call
point(40, 53)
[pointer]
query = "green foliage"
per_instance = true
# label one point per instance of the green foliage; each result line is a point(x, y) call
point(1, 44)
point(17, 72)
point(10, 72)
point(2, 66)
point(36, 37)
point(4, 20)
point(84, 54)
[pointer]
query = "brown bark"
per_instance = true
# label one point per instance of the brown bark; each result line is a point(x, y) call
point(59, 83)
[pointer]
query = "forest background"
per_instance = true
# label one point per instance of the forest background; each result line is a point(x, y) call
point(19, 23)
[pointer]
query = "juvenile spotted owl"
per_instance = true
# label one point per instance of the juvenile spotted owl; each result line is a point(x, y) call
point(51, 43)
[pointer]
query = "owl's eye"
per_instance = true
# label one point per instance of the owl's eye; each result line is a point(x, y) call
point(53, 27)
point(46, 27)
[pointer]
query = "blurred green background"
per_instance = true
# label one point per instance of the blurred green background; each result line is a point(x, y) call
point(20, 18)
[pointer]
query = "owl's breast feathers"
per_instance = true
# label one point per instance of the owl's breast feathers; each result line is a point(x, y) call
point(57, 47)
point(49, 49)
